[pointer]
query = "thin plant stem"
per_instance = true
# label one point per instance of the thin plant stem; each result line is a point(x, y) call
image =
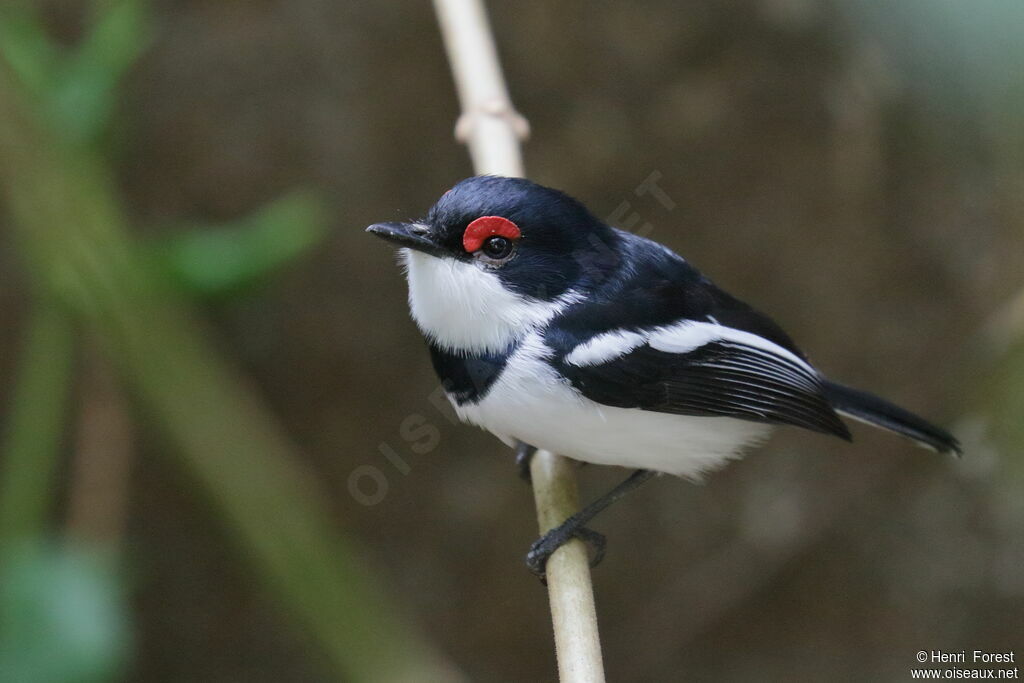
point(34, 428)
point(493, 130)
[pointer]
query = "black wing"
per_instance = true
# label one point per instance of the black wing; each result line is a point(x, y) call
point(664, 338)
point(722, 377)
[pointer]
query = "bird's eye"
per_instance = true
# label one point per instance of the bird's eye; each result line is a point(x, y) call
point(497, 247)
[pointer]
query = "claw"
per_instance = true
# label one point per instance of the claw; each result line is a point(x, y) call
point(543, 547)
point(541, 550)
point(597, 541)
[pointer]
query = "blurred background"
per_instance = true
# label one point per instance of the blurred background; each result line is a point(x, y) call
point(224, 457)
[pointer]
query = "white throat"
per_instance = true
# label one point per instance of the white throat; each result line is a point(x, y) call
point(464, 307)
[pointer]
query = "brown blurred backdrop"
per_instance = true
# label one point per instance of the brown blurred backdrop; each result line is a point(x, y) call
point(853, 167)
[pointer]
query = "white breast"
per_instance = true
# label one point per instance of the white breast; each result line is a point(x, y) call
point(464, 307)
point(529, 402)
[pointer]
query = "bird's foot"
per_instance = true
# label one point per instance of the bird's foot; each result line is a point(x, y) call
point(524, 455)
point(547, 544)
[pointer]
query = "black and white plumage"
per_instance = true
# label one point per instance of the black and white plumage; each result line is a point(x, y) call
point(549, 327)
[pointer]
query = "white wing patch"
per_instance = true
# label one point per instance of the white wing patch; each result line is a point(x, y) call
point(690, 335)
point(605, 347)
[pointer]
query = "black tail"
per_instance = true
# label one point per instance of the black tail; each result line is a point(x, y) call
point(869, 408)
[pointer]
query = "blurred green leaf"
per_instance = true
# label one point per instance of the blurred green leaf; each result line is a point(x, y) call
point(62, 615)
point(71, 227)
point(76, 86)
point(86, 90)
point(25, 45)
point(225, 260)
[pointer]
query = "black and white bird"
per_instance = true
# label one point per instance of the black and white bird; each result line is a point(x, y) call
point(550, 328)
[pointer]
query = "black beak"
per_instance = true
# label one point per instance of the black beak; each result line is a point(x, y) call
point(412, 235)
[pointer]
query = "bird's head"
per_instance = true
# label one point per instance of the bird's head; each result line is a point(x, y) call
point(495, 257)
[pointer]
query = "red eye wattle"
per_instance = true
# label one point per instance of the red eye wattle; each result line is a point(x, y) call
point(488, 226)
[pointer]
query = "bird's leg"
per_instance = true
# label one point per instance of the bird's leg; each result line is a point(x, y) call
point(524, 455)
point(574, 527)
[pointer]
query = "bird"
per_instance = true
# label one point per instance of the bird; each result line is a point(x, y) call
point(552, 329)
